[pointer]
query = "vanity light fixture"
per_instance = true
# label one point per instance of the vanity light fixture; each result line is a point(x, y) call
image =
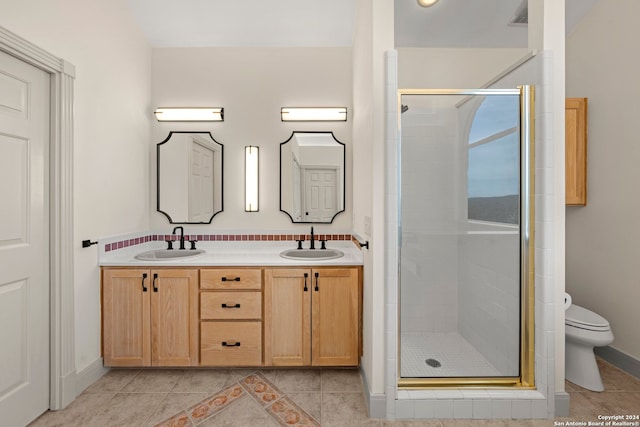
point(251, 155)
point(313, 114)
point(427, 3)
point(208, 114)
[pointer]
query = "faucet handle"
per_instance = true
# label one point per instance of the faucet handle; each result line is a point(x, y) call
point(169, 244)
point(323, 244)
point(193, 244)
point(300, 243)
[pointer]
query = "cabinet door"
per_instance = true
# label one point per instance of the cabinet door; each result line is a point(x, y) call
point(335, 317)
point(576, 151)
point(287, 327)
point(174, 317)
point(125, 311)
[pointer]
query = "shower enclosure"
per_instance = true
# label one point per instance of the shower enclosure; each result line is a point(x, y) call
point(466, 237)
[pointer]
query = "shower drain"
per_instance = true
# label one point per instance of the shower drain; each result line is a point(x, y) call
point(433, 363)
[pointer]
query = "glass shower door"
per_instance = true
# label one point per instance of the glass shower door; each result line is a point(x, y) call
point(465, 227)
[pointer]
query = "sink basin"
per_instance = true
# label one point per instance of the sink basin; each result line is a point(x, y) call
point(311, 254)
point(167, 255)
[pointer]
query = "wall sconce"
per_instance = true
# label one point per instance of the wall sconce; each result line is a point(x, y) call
point(309, 114)
point(210, 114)
point(251, 179)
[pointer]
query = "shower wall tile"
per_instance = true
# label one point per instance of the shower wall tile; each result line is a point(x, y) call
point(405, 409)
point(521, 408)
point(462, 409)
point(443, 408)
point(424, 409)
point(500, 408)
point(539, 409)
point(482, 409)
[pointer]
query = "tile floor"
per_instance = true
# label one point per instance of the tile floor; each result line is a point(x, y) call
point(291, 397)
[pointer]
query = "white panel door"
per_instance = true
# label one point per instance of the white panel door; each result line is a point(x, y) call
point(320, 194)
point(24, 243)
point(200, 184)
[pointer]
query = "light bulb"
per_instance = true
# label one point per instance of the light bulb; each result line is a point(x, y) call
point(427, 3)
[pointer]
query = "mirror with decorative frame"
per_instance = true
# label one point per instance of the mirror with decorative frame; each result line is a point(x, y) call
point(312, 177)
point(189, 177)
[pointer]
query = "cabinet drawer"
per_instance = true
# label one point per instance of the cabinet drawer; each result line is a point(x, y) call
point(231, 343)
point(231, 278)
point(230, 305)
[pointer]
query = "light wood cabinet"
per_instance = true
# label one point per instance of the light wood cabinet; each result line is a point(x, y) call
point(150, 317)
point(312, 316)
point(231, 317)
point(576, 151)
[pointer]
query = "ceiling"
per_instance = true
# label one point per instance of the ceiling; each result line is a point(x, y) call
point(450, 23)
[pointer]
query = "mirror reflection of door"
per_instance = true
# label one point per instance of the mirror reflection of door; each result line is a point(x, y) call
point(312, 177)
point(320, 185)
point(189, 177)
point(200, 182)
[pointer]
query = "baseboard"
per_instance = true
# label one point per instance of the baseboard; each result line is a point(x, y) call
point(619, 359)
point(561, 404)
point(89, 375)
point(67, 392)
point(376, 403)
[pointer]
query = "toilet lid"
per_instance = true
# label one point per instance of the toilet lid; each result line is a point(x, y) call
point(580, 317)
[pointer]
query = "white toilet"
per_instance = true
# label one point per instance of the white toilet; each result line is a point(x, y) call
point(584, 330)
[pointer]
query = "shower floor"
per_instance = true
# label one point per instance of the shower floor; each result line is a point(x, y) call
point(457, 357)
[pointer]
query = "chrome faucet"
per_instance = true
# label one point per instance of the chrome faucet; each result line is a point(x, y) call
point(181, 235)
point(313, 238)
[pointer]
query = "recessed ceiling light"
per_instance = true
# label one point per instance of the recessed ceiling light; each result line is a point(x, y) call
point(427, 3)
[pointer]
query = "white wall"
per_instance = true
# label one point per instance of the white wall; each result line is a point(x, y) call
point(372, 38)
point(111, 130)
point(602, 238)
point(252, 84)
point(456, 68)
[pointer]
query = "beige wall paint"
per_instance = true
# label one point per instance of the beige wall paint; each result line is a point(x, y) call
point(602, 237)
point(252, 84)
point(111, 130)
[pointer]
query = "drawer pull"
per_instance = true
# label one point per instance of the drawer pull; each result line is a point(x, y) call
point(231, 344)
point(231, 306)
point(235, 279)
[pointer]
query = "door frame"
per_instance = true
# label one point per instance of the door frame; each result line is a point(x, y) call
point(62, 381)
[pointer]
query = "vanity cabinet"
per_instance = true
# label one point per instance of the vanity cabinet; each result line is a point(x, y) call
point(150, 317)
point(231, 317)
point(312, 316)
point(240, 316)
point(576, 151)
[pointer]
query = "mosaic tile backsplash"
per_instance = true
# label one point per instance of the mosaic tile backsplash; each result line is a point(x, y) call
point(222, 238)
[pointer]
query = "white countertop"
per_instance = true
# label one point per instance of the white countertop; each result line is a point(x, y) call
point(245, 253)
